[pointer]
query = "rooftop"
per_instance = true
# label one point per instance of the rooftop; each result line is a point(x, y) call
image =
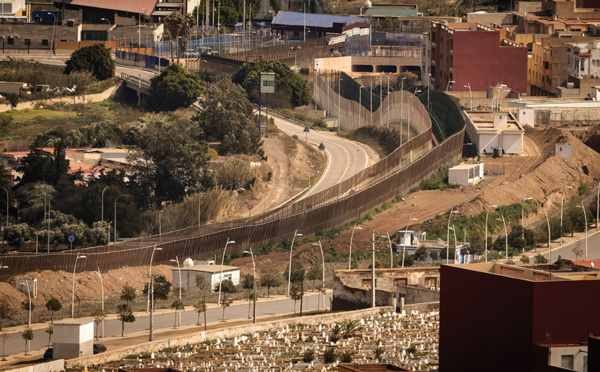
point(313, 20)
point(73, 321)
point(210, 268)
point(484, 121)
point(465, 166)
point(528, 273)
point(141, 6)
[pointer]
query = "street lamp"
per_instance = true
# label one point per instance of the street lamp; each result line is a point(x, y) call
point(290, 267)
point(180, 284)
point(505, 235)
point(150, 274)
point(401, 107)
point(340, 101)
point(428, 89)
point(26, 284)
point(102, 286)
point(562, 202)
point(351, 237)
point(151, 293)
point(359, 103)
point(487, 212)
point(373, 300)
point(470, 93)
point(223, 259)
point(452, 211)
point(73, 292)
point(586, 228)
point(411, 218)
point(523, 221)
point(102, 213)
point(249, 251)
point(107, 32)
point(448, 85)
point(323, 268)
point(549, 235)
point(53, 30)
point(296, 49)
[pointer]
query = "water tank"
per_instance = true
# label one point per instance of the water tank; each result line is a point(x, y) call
point(188, 262)
point(368, 4)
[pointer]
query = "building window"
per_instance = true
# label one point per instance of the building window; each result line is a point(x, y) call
point(10, 41)
point(367, 283)
point(431, 282)
point(401, 282)
point(45, 42)
point(27, 41)
point(567, 361)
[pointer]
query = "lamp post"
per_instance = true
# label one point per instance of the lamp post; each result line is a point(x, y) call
point(351, 237)
point(453, 228)
point(115, 219)
point(505, 235)
point(53, 30)
point(549, 235)
point(340, 102)
point(401, 107)
point(452, 211)
point(586, 228)
point(428, 89)
point(290, 266)
point(323, 269)
point(223, 259)
point(176, 260)
point(73, 292)
point(150, 274)
point(5, 190)
point(404, 240)
point(296, 49)
point(199, 207)
point(373, 302)
point(562, 202)
point(359, 104)
point(102, 286)
point(249, 251)
point(102, 209)
point(523, 221)
point(487, 212)
point(107, 32)
point(26, 284)
point(448, 85)
point(470, 93)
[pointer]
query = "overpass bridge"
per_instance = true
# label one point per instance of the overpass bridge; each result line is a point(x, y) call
point(136, 83)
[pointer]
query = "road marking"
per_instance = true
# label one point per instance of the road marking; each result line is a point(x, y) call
point(322, 177)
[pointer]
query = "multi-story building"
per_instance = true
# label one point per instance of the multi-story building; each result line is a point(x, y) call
point(498, 318)
point(464, 55)
point(584, 59)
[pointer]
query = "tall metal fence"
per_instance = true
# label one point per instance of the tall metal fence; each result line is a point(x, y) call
point(315, 213)
point(396, 107)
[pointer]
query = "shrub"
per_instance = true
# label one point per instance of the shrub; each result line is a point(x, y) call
point(525, 259)
point(329, 356)
point(95, 59)
point(540, 259)
point(174, 88)
point(308, 356)
point(346, 356)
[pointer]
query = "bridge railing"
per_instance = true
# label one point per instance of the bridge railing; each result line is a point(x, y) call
point(143, 83)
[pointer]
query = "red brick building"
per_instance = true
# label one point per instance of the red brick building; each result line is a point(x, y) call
point(476, 55)
point(496, 317)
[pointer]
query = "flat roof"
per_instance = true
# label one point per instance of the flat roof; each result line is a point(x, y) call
point(527, 273)
point(484, 121)
point(74, 321)
point(466, 166)
point(209, 268)
point(313, 20)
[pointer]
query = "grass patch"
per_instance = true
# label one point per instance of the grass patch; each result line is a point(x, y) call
point(101, 86)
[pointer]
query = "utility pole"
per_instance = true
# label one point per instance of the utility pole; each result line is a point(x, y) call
point(373, 272)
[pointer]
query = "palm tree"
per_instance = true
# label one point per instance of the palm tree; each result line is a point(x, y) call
point(350, 328)
point(336, 333)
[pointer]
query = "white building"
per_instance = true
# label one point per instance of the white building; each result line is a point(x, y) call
point(73, 338)
point(210, 273)
point(465, 174)
point(489, 130)
point(584, 59)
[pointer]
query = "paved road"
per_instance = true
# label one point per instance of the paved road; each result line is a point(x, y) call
point(345, 157)
point(566, 251)
point(163, 321)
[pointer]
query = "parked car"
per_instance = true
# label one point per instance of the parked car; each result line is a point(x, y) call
point(49, 354)
point(99, 348)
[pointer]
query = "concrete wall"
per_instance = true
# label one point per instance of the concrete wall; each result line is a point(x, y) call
point(577, 352)
point(489, 18)
point(229, 332)
point(563, 149)
point(73, 340)
point(513, 142)
point(53, 366)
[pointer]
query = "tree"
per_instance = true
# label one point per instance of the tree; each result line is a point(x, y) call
point(225, 303)
point(248, 281)
point(53, 305)
point(200, 308)
point(409, 260)
point(290, 86)
point(40, 165)
point(178, 27)
point(270, 277)
point(226, 286)
point(95, 59)
point(17, 234)
point(177, 305)
point(99, 316)
point(315, 273)
point(170, 158)
point(125, 314)
point(296, 293)
point(227, 116)
point(27, 336)
point(421, 253)
point(540, 259)
point(128, 293)
point(174, 88)
point(336, 333)
point(298, 272)
point(161, 288)
point(350, 328)
point(5, 312)
point(434, 255)
point(577, 250)
point(50, 332)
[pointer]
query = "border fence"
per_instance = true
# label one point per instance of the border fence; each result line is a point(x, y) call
point(308, 216)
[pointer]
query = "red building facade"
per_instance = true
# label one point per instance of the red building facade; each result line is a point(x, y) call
point(475, 55)
point(496, 317)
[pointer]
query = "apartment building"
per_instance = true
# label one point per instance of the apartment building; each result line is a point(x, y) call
point(463, 55)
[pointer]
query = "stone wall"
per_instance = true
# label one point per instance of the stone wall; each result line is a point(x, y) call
point(424, 307)
point(230, 332)
point(53, 366)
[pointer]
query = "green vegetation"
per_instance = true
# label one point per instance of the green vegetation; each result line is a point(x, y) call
point(95, 59)
point(291, 89)
point(380, 138)
point(174, 88)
